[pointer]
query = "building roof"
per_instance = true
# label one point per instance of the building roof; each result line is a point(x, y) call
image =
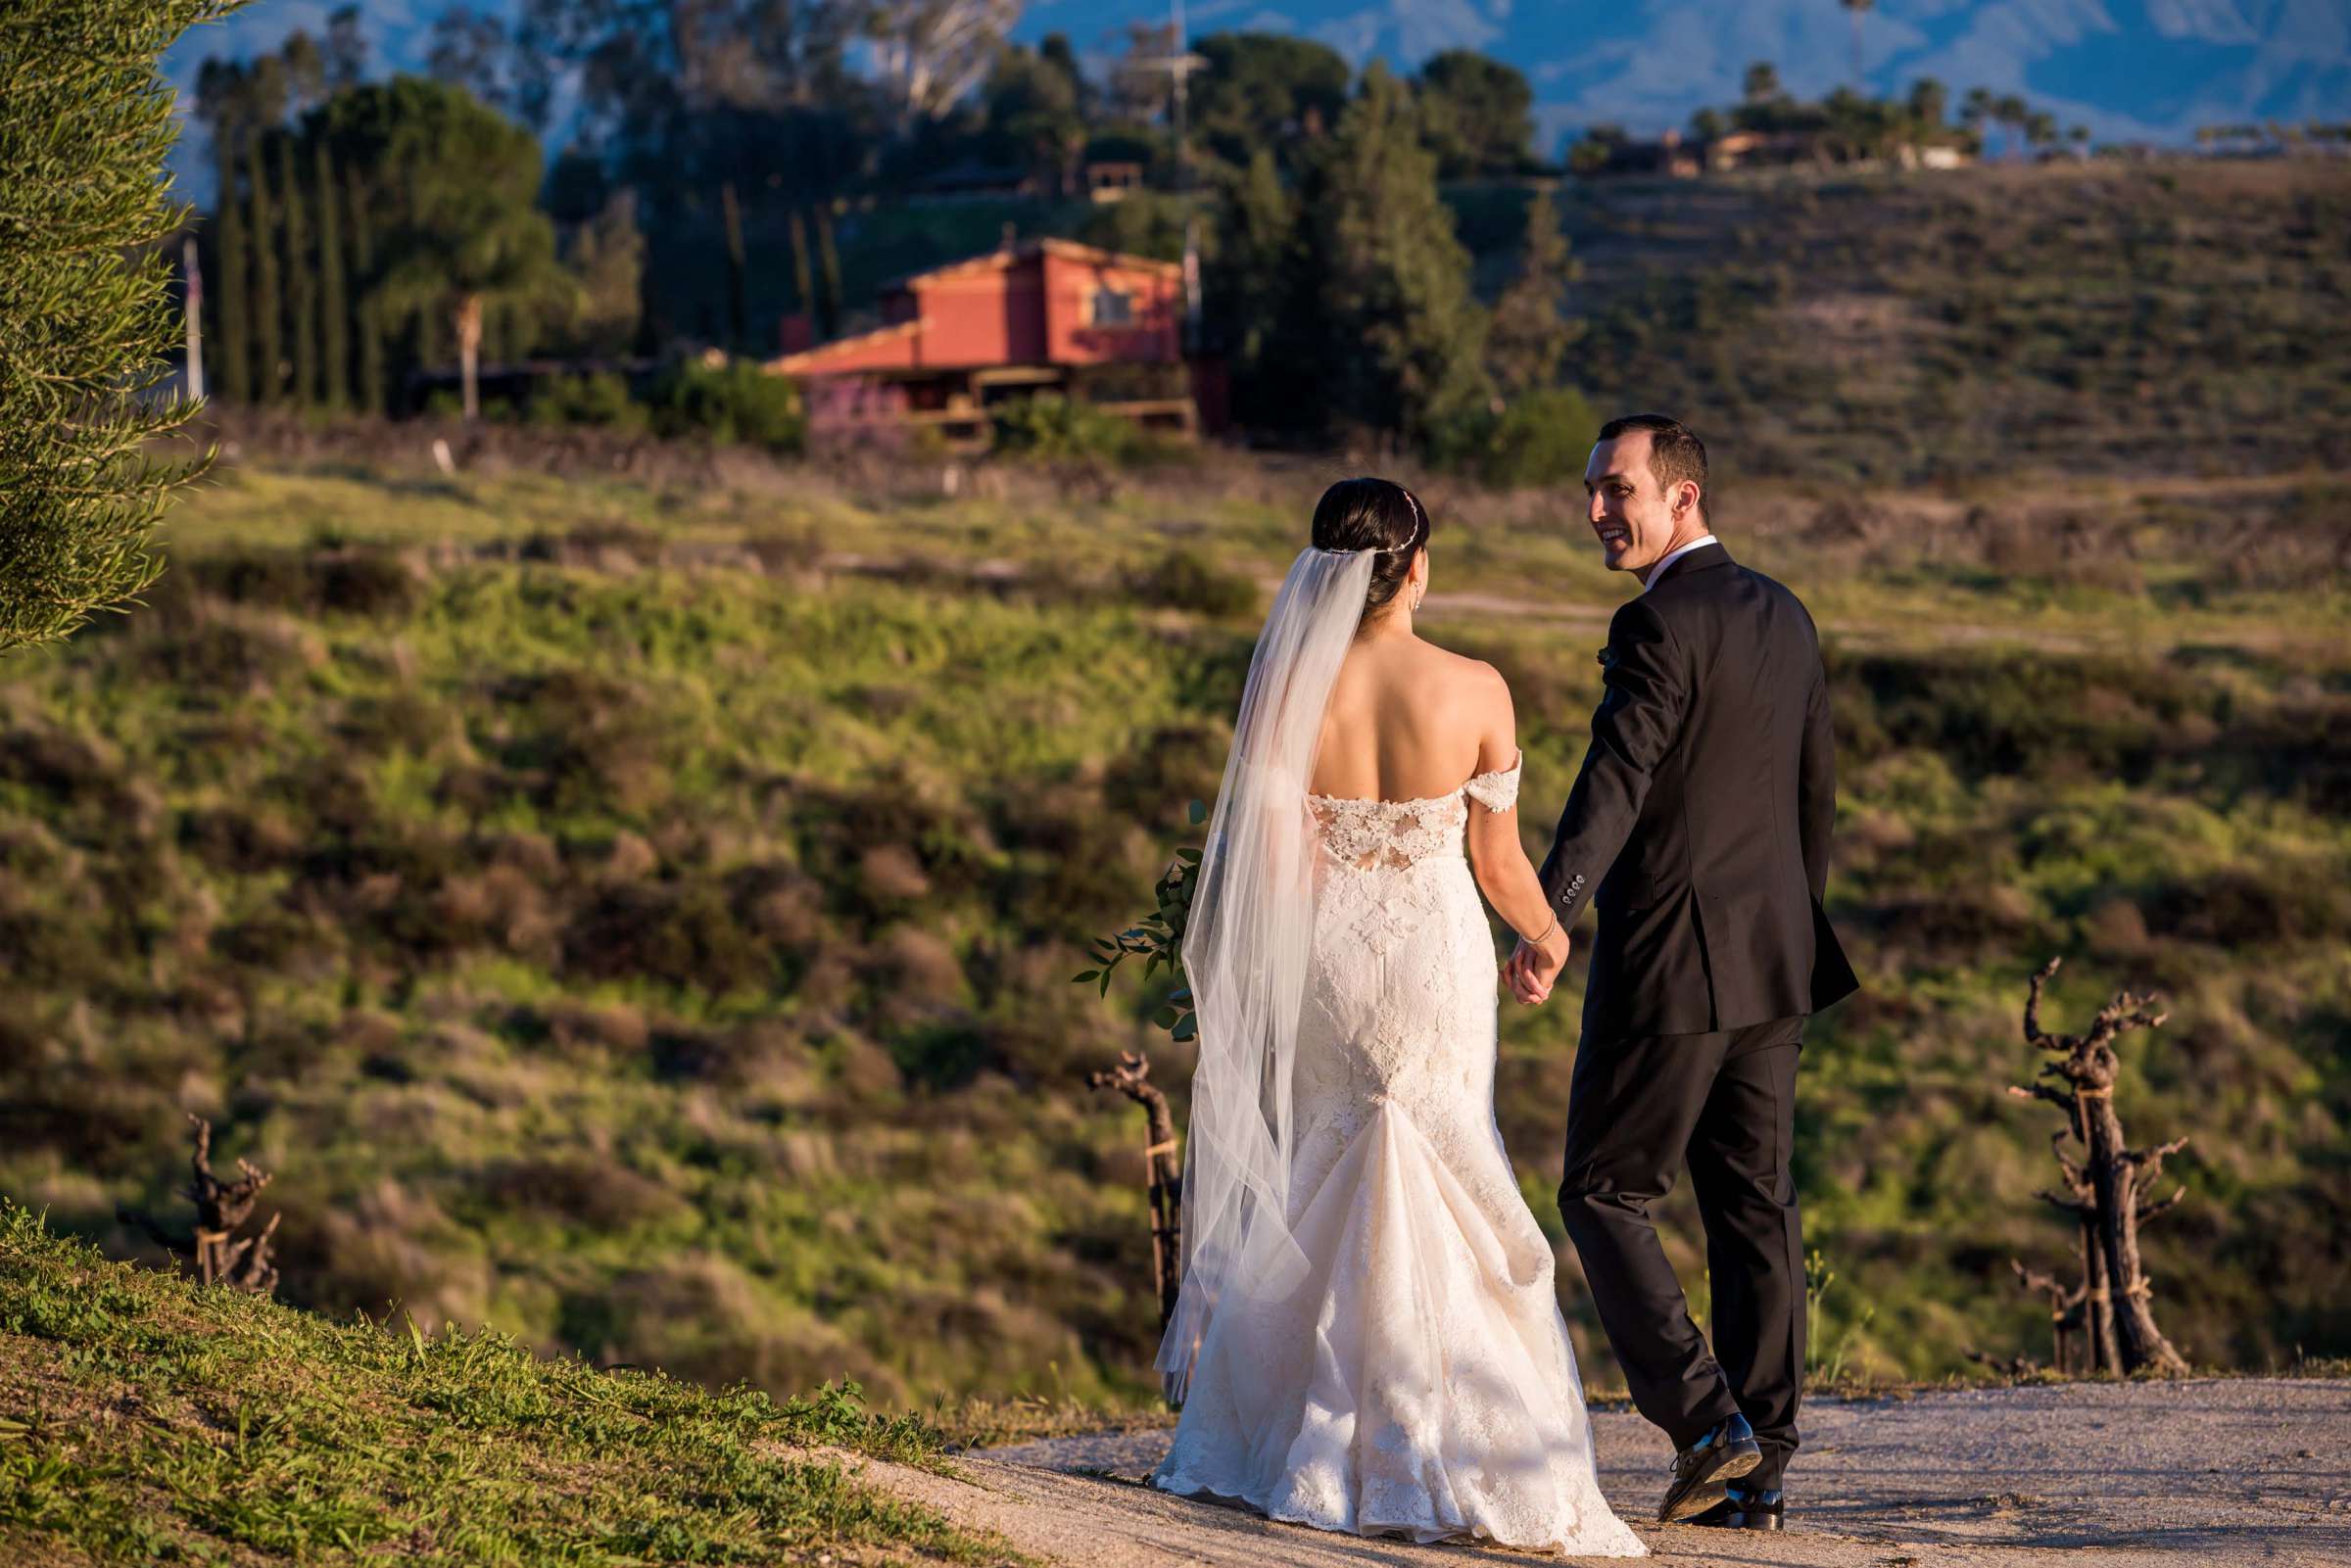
point(809, 359)
point(997, 260)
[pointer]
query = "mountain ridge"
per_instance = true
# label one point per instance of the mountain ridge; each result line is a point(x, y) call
point(2129, 69)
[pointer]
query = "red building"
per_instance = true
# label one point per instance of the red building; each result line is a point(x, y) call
point(1048, 314)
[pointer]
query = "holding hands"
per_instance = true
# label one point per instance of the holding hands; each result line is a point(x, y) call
point(1535, 967)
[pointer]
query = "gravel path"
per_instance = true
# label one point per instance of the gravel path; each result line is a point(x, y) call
point(2220, 1471)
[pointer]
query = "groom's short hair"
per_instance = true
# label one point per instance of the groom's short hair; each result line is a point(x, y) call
point(1674, 453)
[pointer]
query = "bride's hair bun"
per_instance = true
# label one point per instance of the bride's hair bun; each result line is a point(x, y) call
point(1378, 515)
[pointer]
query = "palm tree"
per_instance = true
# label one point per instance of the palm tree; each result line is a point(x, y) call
point(1974, 111)
point(1854, 9)
point(2012, 115)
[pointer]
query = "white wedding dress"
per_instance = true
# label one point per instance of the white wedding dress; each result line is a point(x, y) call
point(1419, 1379)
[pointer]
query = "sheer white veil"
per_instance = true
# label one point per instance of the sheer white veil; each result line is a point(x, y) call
point(1245, 953)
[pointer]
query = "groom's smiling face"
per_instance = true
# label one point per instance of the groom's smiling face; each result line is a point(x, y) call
point(1630, 512)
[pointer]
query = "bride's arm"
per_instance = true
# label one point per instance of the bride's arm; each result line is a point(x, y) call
point(1497, 857)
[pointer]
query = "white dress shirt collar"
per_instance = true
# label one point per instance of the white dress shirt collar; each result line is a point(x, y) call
point(1658, 570)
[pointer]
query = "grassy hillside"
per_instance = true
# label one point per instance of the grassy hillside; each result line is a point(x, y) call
point(639, 919)
point(146, 1420)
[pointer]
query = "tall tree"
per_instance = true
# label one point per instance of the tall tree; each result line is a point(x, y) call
point(471, 49)
point(1929, 103)
point(804, 277)
point(1531, 330)
point(1266, 89)
point(930, 53)
point(268, 295)
point(739, 324)
point(607, 257)
point(1975, 110)
point(1032, 107)
point(302, 290)
point(1477, 114)
point(1267, 319)
point(827, 258)
point(368, 312)
point(86, 306)
point(1406, 337)
point(345, 51)
point(233, 304)
point(1762, 83)
point(2012, 114)
point(334, 292)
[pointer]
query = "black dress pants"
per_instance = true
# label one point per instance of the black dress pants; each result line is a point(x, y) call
point(1724, 1103)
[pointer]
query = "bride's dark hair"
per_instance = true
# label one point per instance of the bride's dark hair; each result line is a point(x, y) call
point(1378, 515)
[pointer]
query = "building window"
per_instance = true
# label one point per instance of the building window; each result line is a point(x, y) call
point(1113, 307)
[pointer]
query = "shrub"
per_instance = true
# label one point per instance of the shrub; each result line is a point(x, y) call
point(1540, 438)
point(1184, 580)
point(735, 404)
point(601, 399)
point(1049, 426)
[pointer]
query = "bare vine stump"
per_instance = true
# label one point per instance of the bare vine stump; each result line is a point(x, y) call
point(1162, 1158)
point(220, 1255)
point(2105, 1191)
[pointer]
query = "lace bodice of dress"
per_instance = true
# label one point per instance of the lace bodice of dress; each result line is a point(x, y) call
point(1392, 835)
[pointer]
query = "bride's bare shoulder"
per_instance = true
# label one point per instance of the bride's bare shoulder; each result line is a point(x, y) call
point(1462, 679)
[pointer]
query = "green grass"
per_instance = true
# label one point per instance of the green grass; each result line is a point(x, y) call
point(144, 1419)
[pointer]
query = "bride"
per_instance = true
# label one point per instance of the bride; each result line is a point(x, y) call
point(1368, 1338)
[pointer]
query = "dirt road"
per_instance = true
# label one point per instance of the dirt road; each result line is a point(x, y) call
point(2219, 1472)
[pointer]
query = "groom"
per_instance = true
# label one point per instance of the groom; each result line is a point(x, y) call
point(1700, 829)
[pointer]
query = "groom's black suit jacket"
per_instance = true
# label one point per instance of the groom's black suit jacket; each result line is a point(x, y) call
point(1700, 824)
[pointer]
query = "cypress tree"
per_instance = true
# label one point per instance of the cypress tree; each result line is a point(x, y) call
point(1405, 337)
point(86, 321)
point(1531, 331)
point(302, 274)
point(804, 277)
point(829, 303)
point(334, 303)
point(1269, 318)
point(370, 314)
point(738, 265)
point(231, 337)
point(268, 296)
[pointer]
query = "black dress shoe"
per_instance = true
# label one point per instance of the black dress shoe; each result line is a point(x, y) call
point(1725, 1453)
point(1762, 1509)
